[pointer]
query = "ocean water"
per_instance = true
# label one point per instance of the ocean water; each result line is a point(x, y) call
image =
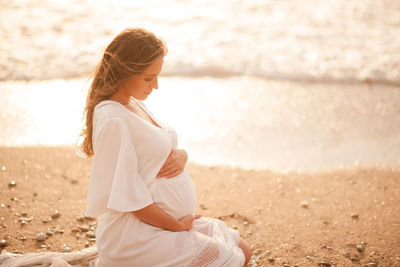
point(284, 85)
point(330, 40)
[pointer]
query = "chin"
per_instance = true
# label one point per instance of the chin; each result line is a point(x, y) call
point(142, 97)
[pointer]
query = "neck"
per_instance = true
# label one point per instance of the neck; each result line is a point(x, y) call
point(124, 99)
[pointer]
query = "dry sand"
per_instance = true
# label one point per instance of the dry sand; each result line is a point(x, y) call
point(344, 217)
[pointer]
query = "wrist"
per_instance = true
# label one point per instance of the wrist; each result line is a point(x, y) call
point(178, 226)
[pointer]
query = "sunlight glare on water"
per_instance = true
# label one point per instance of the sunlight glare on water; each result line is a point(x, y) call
point(41, 112)
point(247, 122)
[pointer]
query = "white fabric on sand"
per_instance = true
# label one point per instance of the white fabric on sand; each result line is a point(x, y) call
point(129, 152)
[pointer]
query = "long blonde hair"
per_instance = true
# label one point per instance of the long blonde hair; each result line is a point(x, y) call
point(129, 53)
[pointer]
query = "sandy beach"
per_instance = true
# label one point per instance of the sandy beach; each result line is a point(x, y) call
point(348, 217)
point(289, 111)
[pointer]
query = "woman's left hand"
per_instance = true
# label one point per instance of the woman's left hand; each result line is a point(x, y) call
point(174, 164)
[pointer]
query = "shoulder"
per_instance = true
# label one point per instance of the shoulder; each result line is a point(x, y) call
point(109, 109)
point(107, 112)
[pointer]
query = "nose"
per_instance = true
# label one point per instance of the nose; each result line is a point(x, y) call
point(155, 84)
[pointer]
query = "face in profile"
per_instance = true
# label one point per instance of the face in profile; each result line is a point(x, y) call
point(141, 85)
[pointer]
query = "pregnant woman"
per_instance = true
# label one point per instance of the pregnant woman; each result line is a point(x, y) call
point(139, 187)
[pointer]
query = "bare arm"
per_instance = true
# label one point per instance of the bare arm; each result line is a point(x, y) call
point(155, 216)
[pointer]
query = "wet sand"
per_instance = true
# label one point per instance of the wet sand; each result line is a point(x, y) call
point(347, 217)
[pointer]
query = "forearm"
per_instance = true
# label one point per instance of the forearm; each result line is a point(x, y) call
point(155, 216)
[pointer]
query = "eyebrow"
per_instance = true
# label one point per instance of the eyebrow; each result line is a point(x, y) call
point(151, 75)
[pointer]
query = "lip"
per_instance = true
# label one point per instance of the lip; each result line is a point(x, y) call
point(147, 92)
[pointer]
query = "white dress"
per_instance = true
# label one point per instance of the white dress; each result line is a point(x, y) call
point(128, 153)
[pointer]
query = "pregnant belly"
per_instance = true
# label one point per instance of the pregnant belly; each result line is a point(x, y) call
point(176, 196)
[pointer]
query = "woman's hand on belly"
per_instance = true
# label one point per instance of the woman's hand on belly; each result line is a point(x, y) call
point(186, 222)
point(174, 164)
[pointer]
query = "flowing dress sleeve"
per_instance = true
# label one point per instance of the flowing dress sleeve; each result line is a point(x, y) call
point(115, 182)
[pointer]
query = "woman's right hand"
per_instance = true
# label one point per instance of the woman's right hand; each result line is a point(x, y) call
point(174, 164)
point(186, 222)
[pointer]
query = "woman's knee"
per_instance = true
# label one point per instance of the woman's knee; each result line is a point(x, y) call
point(246, 250)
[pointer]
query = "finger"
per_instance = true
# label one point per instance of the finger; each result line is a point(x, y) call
point(167, 166)
point(167, 172)
point(186, 217)
point(164, 170)
point(197, 216)
point(168, 160)
point(173, 174)
point(172, 162)
point(160, 174)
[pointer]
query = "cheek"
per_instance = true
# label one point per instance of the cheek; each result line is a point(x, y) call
point(134, 86)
